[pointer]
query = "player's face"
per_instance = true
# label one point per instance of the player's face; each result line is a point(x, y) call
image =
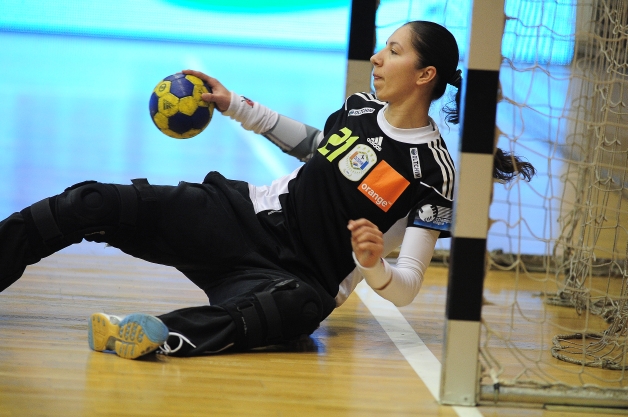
point(394, 67)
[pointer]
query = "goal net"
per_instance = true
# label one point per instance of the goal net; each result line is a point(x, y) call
point(564, 236)
point(556, 331)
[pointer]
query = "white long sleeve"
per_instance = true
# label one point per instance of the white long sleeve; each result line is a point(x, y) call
point(400, 283)
point(253, 116)
point(292, 137)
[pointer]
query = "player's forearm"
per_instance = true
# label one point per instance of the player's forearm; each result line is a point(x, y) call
point(294, 138)
point(400, 283)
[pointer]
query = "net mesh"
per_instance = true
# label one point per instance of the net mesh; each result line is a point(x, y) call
point(563, 235)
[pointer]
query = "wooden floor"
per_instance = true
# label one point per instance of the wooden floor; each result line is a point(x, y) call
point(350, 367)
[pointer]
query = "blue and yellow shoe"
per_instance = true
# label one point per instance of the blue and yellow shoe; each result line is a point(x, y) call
point(130, 337)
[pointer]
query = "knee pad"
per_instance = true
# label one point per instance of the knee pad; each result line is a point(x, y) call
point(87, 207)
point(89, 210)
point(281, 312)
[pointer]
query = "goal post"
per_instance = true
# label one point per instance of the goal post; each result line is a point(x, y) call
point(474, 183)
point(361, 46)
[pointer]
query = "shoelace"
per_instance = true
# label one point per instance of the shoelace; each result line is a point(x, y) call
point(165, 349)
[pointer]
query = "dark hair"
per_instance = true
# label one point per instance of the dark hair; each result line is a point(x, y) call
point(436, 46)
point(506, 166)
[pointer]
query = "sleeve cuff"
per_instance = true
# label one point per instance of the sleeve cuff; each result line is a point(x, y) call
point(233, 105)
point(377, 276)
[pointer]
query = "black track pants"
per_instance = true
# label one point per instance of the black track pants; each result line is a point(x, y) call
point(15, 251)
point(211, 234)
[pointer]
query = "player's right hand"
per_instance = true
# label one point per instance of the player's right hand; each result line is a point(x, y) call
point(367, 242)
point(220, 96)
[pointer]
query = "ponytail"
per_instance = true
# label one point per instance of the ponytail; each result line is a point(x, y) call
point(507, 166)
point(452, 109)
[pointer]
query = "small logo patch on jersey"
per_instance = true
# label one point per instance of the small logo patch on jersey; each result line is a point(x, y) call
point(383, 185)
point(357, 162)
point(360, 112)
point(432, 216)
point(416, 164)
point(376, 142)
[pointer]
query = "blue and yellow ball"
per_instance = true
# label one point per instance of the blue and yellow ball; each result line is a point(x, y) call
point(176, 106)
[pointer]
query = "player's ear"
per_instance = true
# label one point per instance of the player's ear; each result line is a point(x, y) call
point(426, 75)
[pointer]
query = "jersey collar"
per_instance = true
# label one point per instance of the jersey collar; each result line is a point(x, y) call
point(416, 136)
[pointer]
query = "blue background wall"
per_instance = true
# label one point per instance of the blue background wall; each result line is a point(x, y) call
point(76, 77)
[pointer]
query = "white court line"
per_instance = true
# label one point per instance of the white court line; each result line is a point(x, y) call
point(409, 343)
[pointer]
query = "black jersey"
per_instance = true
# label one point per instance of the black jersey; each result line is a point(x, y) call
point(365, 168)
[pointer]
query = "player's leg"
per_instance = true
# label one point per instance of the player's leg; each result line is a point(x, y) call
point(254, 309)
point(89, 210)
point(270, 308)
point(177, 226)
point(15, 250)
point(85, 209)
point(192, 225)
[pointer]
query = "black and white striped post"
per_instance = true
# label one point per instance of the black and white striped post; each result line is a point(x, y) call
point(460, 369)
point(361, 46)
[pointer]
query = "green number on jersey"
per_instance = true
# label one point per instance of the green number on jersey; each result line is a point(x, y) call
point(335, 140)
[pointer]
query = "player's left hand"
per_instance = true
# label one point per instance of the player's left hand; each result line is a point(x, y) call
point(367, 242)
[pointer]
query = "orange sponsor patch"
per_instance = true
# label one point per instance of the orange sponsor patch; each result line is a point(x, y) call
point(383, 185)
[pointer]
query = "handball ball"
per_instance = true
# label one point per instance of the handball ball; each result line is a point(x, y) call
point(176, 106)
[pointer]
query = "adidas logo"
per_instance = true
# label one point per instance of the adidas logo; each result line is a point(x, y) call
point(376, 142)
point(167, 105)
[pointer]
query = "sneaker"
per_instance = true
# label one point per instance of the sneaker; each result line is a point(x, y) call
point(130, 337)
